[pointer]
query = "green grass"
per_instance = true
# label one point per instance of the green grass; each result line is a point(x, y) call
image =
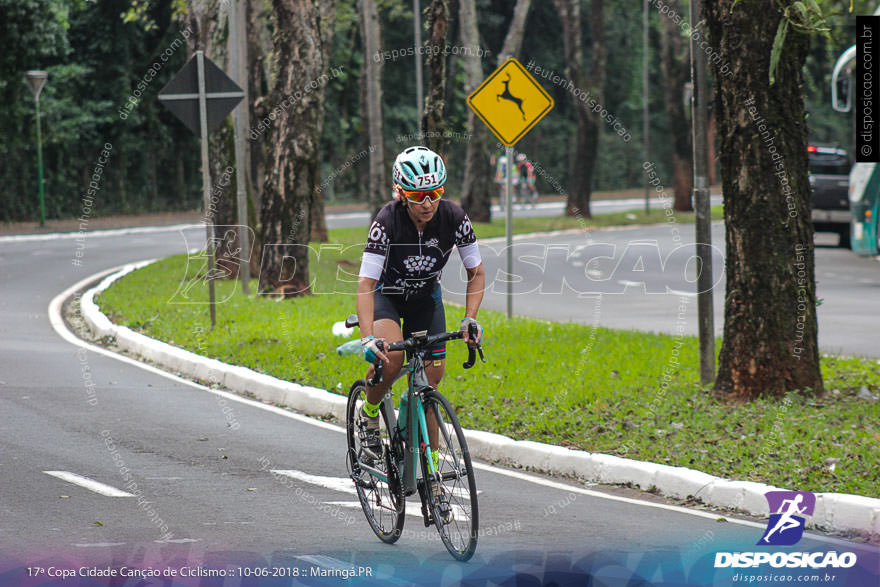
point(574, 385)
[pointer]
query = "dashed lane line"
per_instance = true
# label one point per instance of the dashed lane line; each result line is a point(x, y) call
point(89, 484)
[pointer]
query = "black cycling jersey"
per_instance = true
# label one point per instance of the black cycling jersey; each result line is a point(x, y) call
point(414, 260)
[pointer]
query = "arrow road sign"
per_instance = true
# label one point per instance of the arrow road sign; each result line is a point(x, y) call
point(181, 95)
point(201, 96)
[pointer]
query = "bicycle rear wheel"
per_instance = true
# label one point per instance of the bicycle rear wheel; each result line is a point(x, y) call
point(455, 475)
point(377, 480)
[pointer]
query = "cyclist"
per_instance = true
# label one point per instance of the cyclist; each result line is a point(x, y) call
point(408, 245)
point(526, 173)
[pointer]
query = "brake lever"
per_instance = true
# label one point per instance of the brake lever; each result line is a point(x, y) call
point(472, 353)
point(472, 358)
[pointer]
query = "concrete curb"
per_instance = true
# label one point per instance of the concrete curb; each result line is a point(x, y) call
point(834, 511)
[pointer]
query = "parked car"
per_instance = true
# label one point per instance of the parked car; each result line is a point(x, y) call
point(829, 180)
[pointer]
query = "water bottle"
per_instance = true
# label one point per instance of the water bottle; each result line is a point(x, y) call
point(352, 347)
point(404, 411)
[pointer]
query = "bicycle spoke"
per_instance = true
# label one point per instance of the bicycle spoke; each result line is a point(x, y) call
point(377, 484)
point(458, 529)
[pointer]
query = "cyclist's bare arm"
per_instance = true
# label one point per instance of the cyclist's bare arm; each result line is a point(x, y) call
point(474, 295)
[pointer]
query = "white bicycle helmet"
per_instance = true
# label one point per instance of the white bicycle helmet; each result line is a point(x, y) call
point(419, 168)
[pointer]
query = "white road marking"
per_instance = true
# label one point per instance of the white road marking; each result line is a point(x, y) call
point(177, 541)
point(690, 294)
point(58, 324)
point(89, 484)
point(100, 544)
point(342, 484)
point(356, 505)
point(97, 233)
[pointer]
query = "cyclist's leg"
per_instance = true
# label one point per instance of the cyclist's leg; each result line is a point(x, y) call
point(428, 314)
point(386, 324)
point(434, 372)
point(435, 365)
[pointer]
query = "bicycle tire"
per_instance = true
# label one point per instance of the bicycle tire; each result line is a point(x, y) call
point(459, 534)
point(383, 502)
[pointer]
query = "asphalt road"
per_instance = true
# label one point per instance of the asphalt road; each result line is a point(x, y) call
point(641, 278)
point(523, 210)
point(203, 491)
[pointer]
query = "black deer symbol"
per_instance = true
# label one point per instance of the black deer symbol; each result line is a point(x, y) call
point(506, 95)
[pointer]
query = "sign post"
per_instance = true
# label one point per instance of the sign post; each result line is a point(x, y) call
point(702, 208)
point(187, 96)
point(510, 102)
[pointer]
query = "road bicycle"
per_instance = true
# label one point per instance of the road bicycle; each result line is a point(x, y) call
point(522, 192)
point(403, 465)
point(526, 193)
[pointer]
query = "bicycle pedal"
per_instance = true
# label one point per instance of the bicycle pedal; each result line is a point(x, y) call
point(368, 452)
point(361, 483)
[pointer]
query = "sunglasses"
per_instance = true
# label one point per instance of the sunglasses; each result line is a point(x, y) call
point(417, 197)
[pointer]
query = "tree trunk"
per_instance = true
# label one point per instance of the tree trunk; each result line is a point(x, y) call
point(710, 142)
point(476, 190)
point(326, 26)
point(770, 327)
point(432, 122)
point(211, 27)
point(675, 65)
point(370, 33)
point(290, 200)
point(259, 45)
point(581, 170)
point(478, 187)
point(514, 38)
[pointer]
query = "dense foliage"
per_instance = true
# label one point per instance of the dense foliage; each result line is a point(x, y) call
point(98, 52)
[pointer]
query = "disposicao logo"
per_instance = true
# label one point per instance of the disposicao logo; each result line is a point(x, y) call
point(785, 526)
point(788, 512)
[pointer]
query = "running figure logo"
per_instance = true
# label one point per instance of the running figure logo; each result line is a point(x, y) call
point(786, 526)
point(506, 95)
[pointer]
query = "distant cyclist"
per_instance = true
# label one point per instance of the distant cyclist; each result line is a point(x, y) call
point(526, 173)
point(409, 243)
point(501, 179)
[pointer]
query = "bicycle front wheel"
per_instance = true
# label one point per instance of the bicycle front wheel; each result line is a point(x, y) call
point(454, 508)
point(375, 476)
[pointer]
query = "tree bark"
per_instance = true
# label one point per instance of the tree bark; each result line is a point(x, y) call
point(770, 326)
point(209, 21)
point(476, 190)
point(514, 38)
point(377, 195)
point(290, 201)
point(587, 141)
point(675, 66)
point(433, 124)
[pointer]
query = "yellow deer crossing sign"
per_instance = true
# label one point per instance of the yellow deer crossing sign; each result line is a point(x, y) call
point(510, 102)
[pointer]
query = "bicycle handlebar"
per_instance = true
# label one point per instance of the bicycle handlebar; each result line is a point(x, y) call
point(414, 344)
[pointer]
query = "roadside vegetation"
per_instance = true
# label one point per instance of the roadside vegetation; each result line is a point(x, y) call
point(573, 385)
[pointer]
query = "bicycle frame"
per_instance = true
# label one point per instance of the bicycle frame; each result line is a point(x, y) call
point(414, 369)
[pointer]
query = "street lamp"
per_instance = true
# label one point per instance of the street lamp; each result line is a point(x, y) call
point(36, 80)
